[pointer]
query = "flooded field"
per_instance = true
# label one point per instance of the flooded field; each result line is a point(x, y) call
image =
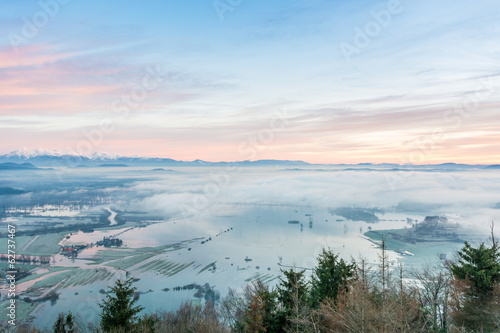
point(193, 234)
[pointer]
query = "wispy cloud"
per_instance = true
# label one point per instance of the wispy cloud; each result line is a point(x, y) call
point(224, 80)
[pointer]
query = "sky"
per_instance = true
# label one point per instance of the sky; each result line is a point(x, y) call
point(399, 81)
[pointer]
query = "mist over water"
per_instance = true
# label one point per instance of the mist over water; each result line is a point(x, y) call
point(228, 228)
point(470, 194)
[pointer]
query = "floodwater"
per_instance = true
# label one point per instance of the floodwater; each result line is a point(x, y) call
point(240, 222)
point(245, 242)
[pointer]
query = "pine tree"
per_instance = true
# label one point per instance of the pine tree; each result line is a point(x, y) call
point(118, 309)
point(292, 295)
point(330, 276)
point(480, 266)
point(64, 323)
point(476, 286)
point(292, 289)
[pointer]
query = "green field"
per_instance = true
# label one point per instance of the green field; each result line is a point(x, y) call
point(129, 261)
point(71, 277)
point(116, 227)
point(164, 267)
point(124, 258)
point(23, 310)
point(5, 265)
point(112, 254)
point(264, 278)
point(44, 245)
point(207, 267)
point(50, 281)
point(50, 270)
point(85, 277)
point(424, 252)
point(20, 242)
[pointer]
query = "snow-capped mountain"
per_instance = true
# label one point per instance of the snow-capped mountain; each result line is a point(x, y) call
point(25, 154)
point(57, 158)
point(30, 153)
point(54, 158)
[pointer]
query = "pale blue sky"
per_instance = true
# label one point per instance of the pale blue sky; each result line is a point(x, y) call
point(223, 81)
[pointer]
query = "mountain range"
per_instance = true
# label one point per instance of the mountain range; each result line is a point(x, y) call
point(26, 159)
point(56, 158)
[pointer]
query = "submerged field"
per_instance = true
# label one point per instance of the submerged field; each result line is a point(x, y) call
point(176, 236)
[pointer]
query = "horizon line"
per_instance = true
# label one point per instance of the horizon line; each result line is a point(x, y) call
point(45, 152)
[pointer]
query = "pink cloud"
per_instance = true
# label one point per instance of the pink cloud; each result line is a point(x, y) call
point(36, 81)
point(29, 55)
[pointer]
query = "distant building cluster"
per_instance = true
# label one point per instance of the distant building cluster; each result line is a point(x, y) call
point(109, 242)
point(71, 251)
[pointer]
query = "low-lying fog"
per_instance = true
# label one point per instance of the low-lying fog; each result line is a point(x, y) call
point(183, 192)
point(275, 217)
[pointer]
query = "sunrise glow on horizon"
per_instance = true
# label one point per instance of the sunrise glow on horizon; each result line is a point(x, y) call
point(322, 82)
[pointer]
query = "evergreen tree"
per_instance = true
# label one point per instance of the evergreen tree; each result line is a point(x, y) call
point(480, 266)
point(255, 306)
point(476, 285)
point(273, 320)
point(330, 276)
point(64, 323)
point(292, 290)
point(118, 309)
point(292, 296)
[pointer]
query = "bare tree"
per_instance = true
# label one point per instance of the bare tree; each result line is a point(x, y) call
point(434, 289)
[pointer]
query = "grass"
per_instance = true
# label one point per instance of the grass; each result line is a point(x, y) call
point(44, 245)
point(131, 257)
point(51, 281)
point(424, 252)
point(87, 276)
point(50, 270)
point(23, 310)
point(171, 247)
point(267, 278)
point(179, 268)
point(125, 258)
point(112, 254)
point(127, 262)
point(116, 227)
point(5, 265)
point(20, 242)
point(207, 267)
point(264, 278)
point(164, 267)
point(74, 277)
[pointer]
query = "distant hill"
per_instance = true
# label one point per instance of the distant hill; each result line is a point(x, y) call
point(15, 166)
point(60, 159)
point(112, 165)
point(357, 214)
point(165, 170)
point(11, 191)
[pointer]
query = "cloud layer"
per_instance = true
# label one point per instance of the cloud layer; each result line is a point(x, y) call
point(427, 68)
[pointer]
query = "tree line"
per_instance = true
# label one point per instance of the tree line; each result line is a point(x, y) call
point(102, 222)
point(340, 296)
